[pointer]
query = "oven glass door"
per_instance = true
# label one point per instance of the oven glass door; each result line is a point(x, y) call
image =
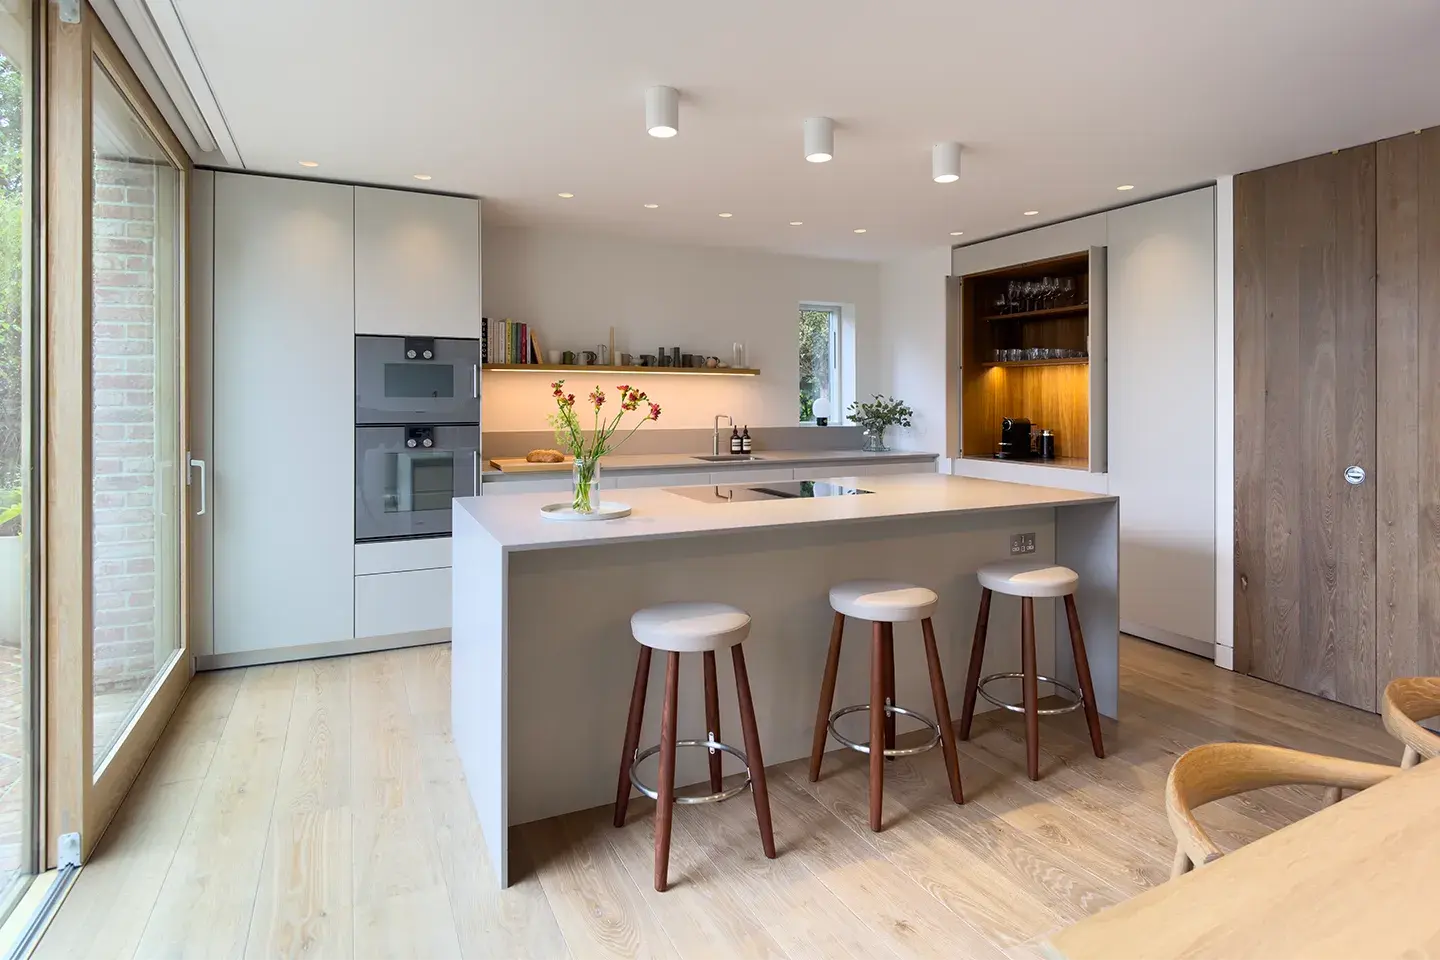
point(391, 387)
point(403, 491)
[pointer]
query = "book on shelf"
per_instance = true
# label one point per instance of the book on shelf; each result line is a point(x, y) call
point(509, 342)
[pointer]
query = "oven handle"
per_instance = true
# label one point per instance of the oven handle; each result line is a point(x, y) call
point(475, 381)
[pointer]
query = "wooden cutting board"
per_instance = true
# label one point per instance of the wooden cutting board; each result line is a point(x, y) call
point(521, 465)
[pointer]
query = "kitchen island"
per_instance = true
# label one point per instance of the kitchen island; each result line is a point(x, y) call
point(543, 660)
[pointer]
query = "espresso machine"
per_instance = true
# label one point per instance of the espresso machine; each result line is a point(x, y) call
point(1015, 443)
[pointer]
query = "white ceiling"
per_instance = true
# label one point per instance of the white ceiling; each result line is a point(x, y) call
point(1057, 102)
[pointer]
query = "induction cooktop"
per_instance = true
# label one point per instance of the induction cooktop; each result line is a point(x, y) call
point(783, 490)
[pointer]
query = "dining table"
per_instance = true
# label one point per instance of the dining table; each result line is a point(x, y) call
point(1353, 881)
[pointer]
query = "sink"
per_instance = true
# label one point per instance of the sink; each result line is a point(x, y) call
point(727, 457)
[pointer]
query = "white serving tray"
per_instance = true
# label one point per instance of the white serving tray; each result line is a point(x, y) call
point(604, 511)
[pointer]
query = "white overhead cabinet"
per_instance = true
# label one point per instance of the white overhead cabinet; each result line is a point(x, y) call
point(417, 264)
point(284, 396)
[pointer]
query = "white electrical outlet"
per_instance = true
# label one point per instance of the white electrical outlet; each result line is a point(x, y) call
point(1022, 543)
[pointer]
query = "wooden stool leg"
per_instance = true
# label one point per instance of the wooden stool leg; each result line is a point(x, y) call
point(712, 717)
point(632, 734)
point(1409, 758)
point(1031, 687)
point(942, 711)
point(1082, 670)
point(1181, 864)
point(890, 684)
point(827, 697)
point(877, 726)
point(752, 751)
point(665, 804)
point(977, 659)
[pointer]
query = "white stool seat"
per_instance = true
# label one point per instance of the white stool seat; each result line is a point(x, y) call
point(883, 601)
point(1028, 578)
point(693, 627)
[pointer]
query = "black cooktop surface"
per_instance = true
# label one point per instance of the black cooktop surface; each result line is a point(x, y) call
point(783, 490)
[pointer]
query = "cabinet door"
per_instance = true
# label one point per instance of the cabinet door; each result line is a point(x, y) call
point(1097, 338)
point(499, 487)
point(752, 475)
point(417, 264)
point(391, 603)
point(283, 482)
point(676, 479)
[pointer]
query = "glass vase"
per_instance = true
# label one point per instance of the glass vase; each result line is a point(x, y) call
point(585, 485)
point(875, 440)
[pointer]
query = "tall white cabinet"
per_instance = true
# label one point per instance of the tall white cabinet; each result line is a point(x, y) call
point(285, 274)
point(284, 401)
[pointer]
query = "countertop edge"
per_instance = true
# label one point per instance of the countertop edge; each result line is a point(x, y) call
point(822, 457)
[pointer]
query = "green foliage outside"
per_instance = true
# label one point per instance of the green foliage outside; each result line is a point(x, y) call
point(814, 354)
point(12, 304)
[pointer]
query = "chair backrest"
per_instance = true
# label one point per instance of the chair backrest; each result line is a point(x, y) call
point(1407, 701)
point(1218, 770)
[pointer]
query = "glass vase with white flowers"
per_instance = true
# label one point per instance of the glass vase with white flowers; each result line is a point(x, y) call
point(588, 450)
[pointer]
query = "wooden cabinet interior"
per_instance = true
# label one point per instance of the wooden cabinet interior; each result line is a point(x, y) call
point(1051, 392)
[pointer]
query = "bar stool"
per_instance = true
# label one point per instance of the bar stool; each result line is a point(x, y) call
point(690, 628)
point(1407, 701)
point(1028, 579)
point(884, 603)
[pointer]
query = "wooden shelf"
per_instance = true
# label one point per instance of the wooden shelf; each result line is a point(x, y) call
point(1070, 311)
point(596, 368)
point(1064, 361)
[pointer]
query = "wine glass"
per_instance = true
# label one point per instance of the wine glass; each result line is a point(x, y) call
point(1067, 291)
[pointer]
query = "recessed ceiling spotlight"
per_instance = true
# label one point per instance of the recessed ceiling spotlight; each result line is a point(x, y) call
point(1031, 213)
point(565, 196)
point(859, 229)
point(957, 233)
point(819, 139)
point(1126, 186)
point(652, 206)
point(309, 163)
point(662, 112)
point(727, 216)
point(423, 176)
point(797, 223)
point(945, 162)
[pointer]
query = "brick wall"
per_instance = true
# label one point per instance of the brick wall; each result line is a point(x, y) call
point(124, 424)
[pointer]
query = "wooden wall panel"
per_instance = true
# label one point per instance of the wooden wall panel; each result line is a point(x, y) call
point(1305, 410)
point(1408, 322)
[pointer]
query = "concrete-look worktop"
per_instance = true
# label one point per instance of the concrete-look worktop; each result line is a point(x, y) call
point(620, 463)
point(543, 660)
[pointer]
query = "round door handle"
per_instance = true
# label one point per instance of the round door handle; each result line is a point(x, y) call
point(1354, 475)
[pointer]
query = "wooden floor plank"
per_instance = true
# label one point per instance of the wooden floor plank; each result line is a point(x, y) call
point(205, 904)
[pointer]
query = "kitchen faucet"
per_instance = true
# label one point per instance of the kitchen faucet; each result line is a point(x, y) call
point(728, 421)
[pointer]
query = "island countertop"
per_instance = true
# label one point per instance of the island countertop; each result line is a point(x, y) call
point(515, 523)
point(640, 462)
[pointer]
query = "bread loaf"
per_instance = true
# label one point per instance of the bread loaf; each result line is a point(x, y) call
point(544, 456)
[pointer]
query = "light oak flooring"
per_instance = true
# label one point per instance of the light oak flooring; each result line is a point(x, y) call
point(318, 810)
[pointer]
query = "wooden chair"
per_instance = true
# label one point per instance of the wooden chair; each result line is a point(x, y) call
point(1219, 770)
point(1409, 700)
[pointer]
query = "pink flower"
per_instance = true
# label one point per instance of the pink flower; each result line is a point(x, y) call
point(597, 397)
point(654, 411)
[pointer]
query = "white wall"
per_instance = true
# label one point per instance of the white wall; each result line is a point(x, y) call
point(574, 286)
point(912, 312)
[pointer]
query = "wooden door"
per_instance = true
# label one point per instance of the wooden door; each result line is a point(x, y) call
point(1304, 414)
point(1408, 297)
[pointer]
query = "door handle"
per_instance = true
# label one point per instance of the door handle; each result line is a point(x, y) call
point(203, 485)
point(1354, 475)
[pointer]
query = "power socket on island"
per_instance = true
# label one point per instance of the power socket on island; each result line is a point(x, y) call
point(1021, 543)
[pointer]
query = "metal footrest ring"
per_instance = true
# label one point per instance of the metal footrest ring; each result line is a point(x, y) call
point(1076, 704)
point(711, 745)
point(890, 709)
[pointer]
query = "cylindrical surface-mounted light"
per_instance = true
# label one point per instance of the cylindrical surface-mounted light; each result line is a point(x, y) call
point(945, 162)
point(819, 139)
point(662, 111)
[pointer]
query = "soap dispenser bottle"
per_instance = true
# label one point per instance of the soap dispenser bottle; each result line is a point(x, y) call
point(745, 440)
point(735, 441)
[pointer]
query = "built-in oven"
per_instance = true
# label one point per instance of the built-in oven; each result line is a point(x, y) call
point(416, 380)
point(407, 474)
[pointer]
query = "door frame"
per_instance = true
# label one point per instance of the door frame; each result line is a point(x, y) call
point(79, 798)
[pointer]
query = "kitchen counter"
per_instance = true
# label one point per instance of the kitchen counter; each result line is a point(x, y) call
point(621, 462)
point(543, 660)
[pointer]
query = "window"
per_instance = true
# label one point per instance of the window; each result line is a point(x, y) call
point(820, 383)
